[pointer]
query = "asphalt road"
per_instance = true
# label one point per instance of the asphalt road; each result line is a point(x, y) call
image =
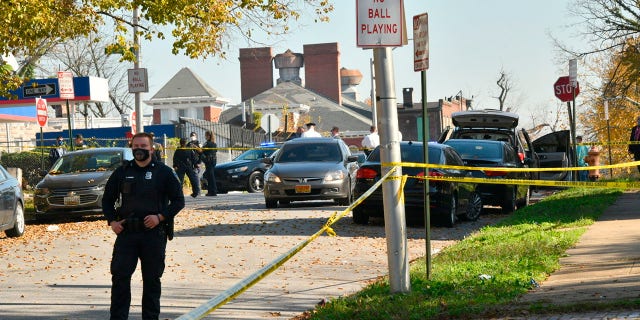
point(61, 271)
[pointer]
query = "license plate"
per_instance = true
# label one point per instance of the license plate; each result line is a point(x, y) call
point(303, 189)
point(72, 200)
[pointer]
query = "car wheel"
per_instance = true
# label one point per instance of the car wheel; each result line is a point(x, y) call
point(271, 204)
point(474, 208)
point(285, 202)
point(256, 182)
point(360, 216)
point(509, 201)
point(19, 225)
point(527, 198)
point(450, 219)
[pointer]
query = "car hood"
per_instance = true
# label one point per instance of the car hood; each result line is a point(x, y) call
point(74, 180)
point(485, 119)
point(305, 169)
point(233, 164)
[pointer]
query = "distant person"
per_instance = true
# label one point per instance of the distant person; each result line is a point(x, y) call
point(297, 134)
point(335, 133)
point(634, 142)
point(581, 153)
point(57, 150)
point(78, 142)
point(370, 141)
point(158, 149)
point(311, 131)
point(183, 162)
point(209, 151)
point(195, 145)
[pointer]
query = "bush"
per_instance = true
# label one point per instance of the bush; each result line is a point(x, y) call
point(31, 164)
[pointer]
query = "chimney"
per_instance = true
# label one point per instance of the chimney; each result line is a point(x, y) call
point(256, 72)
point(289, 65)
point(322, 70)
point(407, 97)
point(350, 79)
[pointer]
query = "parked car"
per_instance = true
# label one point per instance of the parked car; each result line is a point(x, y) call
point(448, 200)
point(12, 205)
point(496, 125)
point(554, 151)
point(75, 183)
point(488, 153)
point(246, 171)
point(311, 169)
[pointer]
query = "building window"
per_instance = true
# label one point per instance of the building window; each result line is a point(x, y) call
point(182, 112)
point(199, 113)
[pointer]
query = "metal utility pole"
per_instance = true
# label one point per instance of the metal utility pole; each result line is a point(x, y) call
point(374, 113)
point(136, 66)
point(394, 217)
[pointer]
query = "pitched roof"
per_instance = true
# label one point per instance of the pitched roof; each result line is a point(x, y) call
point(184, 84)
point(324, 112)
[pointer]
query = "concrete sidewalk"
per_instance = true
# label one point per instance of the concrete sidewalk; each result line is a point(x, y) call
point(603, 266)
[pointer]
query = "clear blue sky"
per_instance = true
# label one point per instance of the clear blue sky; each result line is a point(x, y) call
point(470, 41)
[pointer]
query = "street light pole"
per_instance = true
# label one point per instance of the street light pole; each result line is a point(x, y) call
point(136, 66)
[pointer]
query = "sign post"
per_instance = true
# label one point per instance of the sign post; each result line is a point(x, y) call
point(269, 123)
point(65, 83)
point(380, 23)
point(567, 92)
point(43, 117)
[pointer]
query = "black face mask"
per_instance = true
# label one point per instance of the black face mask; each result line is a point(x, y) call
point(141, 154)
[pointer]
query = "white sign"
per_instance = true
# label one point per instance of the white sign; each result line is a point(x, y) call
point(573, 72)
point(380, 23)
point(65, 84)
point(138, 81)
point(269, 123)
point(421, 42)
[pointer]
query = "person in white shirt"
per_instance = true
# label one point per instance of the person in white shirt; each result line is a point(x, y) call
point(371, 140)
point(311, 131)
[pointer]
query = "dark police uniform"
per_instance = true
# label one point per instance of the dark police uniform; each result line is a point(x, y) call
point(209, 157)
point(149, 190)
point(184, 160)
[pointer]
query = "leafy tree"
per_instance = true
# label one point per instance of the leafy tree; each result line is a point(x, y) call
point(200, 27)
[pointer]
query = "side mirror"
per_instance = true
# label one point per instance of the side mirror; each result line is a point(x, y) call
point(43, 173)
point(267, 160)
point(352, 159)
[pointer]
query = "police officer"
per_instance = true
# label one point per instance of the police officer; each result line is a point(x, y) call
point(151, 196)
point(184, 160)
point(209, 150)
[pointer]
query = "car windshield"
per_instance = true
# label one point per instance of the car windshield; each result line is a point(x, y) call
point(310, 152)
point(255, 154)
point(480, 151)
point(87, 162)
point(409, 153)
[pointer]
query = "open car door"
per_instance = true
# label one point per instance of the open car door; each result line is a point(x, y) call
point(532, 159)
point(554, 151)
point(445, 135)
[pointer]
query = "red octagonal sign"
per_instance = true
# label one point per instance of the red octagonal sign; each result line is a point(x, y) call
point(563, 89)
point(41, 112)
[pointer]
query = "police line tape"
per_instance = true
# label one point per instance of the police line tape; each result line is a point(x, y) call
point(544, 183)
point(234, 291)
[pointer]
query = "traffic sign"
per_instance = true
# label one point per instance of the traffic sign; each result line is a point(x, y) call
point(380, 23)
point(38, 90)
point(420, 42)
point(138, 81)
point(269, 123)
point(41, 112)
point(564, 90)
point(65, 82)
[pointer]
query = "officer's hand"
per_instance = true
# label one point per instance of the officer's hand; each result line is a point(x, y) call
point(117, 226)
point(151, 221)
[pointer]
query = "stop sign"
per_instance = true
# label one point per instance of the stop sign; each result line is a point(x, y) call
point(563, 89)
point(41, 112)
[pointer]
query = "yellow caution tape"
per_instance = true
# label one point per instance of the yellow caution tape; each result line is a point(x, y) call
point(442, 166)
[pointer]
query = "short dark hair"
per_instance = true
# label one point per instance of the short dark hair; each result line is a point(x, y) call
point(79, 136)
point(145, 135)
point(335, 129)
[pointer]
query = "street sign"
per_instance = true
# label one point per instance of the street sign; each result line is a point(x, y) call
point(269, 123)
point(41, 112)
point(421, 42)
point(138, 81)
point(564, 90)
point(65, 82)
point(37, 90)
point(380, 23)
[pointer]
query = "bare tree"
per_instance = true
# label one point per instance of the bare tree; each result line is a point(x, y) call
point(88, 57)
point(505, 84)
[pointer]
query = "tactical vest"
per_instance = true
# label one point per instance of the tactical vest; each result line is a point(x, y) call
point(140, 189)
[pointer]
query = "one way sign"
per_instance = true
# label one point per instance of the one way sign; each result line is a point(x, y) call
point(45, 89)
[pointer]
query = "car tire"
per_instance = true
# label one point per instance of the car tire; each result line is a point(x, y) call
point(19, 225)
point(509, 201)
point(474, 208)
point(255, 182)
point(450, 218)
point(271, 204)
point(360, 216)
point(285, 202)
